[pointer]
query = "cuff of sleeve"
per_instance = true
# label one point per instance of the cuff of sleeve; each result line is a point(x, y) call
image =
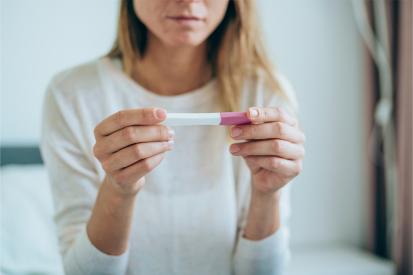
point(91, 260)
point(272, 245)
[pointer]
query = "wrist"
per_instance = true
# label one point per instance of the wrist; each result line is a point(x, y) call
point(115, 202)
point(273, 196)
point(122, 192)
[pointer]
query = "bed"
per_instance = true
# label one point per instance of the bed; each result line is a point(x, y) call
point(28, 237)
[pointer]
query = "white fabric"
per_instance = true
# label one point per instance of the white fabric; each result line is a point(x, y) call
point(189, 214)
point(29, 246)
point(28, 243)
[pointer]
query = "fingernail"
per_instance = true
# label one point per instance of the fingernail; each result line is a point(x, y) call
point(253, 112)
point(160, 114)
point(171, 133)
point(236, 131)
point(234, 148)
point(170, 143)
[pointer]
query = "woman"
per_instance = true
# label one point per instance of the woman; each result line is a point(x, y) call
point(134, 196)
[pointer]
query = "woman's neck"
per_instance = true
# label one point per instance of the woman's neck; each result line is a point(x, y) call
point(171, 71)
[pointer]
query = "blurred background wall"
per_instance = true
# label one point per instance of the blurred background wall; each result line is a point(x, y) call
point(40, 38)
point(317, 45)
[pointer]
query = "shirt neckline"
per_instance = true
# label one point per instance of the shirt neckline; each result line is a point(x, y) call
point(113, 68)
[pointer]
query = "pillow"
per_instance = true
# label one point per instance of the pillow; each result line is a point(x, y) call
point(28, 238)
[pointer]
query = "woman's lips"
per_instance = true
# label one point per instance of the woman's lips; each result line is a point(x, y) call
point(183, 17)
point(185, 20)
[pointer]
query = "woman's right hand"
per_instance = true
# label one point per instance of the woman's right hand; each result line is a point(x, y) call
point(129, 144)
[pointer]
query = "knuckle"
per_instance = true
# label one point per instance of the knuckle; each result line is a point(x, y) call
point(276, 146)
point(98, 152)
point(120, 117)
point(138, 151)
point(299, 168)
point(265, 114)
point(106, 165)
point(163, 132)
point(280, 128)
point(275, 128)
point(147, 165)
point(274, 163)
point(128, 133)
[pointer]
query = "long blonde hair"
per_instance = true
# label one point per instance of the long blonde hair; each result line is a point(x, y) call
point(235, 49)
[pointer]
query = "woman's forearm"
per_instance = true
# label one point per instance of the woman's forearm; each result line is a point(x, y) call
point(110, 223)
point(264, 215)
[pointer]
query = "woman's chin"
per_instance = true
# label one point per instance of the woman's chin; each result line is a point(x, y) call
point(186, 40)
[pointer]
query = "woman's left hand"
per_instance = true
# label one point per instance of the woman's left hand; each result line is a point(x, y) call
point(273, 150)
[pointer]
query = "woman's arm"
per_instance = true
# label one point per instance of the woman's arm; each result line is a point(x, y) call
point(129, 146)
point(263, 216)
point(94, 223)
point(263, 242)
point(273, 150)
point(110, 223)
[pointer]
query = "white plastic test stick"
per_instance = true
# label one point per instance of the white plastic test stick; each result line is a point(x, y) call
point(186, 119)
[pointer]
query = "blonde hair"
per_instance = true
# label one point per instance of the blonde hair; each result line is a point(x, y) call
point(235, 49)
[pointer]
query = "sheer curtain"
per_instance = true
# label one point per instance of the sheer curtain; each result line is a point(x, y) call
point(386, 27)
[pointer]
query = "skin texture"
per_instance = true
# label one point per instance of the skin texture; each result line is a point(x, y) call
point(129, 144)
point(175, 60)
point(162, 18)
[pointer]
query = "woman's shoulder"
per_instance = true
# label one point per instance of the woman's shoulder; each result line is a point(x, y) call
point(81, 78)
point(288, 90)
point(260, 93)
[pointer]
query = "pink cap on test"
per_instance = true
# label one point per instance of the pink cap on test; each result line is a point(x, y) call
point(234, 118)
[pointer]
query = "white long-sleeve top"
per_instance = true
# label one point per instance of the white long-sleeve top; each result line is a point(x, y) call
point(190, 214)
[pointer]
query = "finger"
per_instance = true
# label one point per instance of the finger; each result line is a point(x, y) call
point(254, 167)
point(278, 130)
point(129, 117)
point(138, 169)
point(278, 165)
point(271, 147)
point(135, 134)
point(259, 115)
point(134, 153)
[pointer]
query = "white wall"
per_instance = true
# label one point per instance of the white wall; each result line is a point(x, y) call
point(38, 39)
point(315, 43)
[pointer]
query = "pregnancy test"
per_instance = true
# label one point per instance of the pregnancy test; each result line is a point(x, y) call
point(226, 118)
